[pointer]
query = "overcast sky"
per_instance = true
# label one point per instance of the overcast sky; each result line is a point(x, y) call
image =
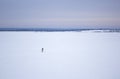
point(59, 13)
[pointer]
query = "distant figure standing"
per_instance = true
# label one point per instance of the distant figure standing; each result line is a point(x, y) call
point(42, 50)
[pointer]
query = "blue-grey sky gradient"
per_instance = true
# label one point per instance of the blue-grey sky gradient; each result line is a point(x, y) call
point(59, 13)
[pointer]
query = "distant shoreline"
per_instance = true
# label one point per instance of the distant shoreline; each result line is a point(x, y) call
point(59, 29)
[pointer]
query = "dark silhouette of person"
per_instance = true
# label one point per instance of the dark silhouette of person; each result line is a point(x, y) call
point(42, 49)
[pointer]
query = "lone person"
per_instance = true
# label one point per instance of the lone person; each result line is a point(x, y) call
point(42, 50)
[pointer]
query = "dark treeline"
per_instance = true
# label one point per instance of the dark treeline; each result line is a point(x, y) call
point(56, 29)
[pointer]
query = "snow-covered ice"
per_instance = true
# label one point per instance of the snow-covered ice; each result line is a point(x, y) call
point(66, 55)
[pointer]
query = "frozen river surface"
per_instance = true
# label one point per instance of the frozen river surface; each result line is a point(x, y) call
point(66, 55)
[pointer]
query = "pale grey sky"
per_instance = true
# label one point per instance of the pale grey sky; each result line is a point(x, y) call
point(64, 13)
